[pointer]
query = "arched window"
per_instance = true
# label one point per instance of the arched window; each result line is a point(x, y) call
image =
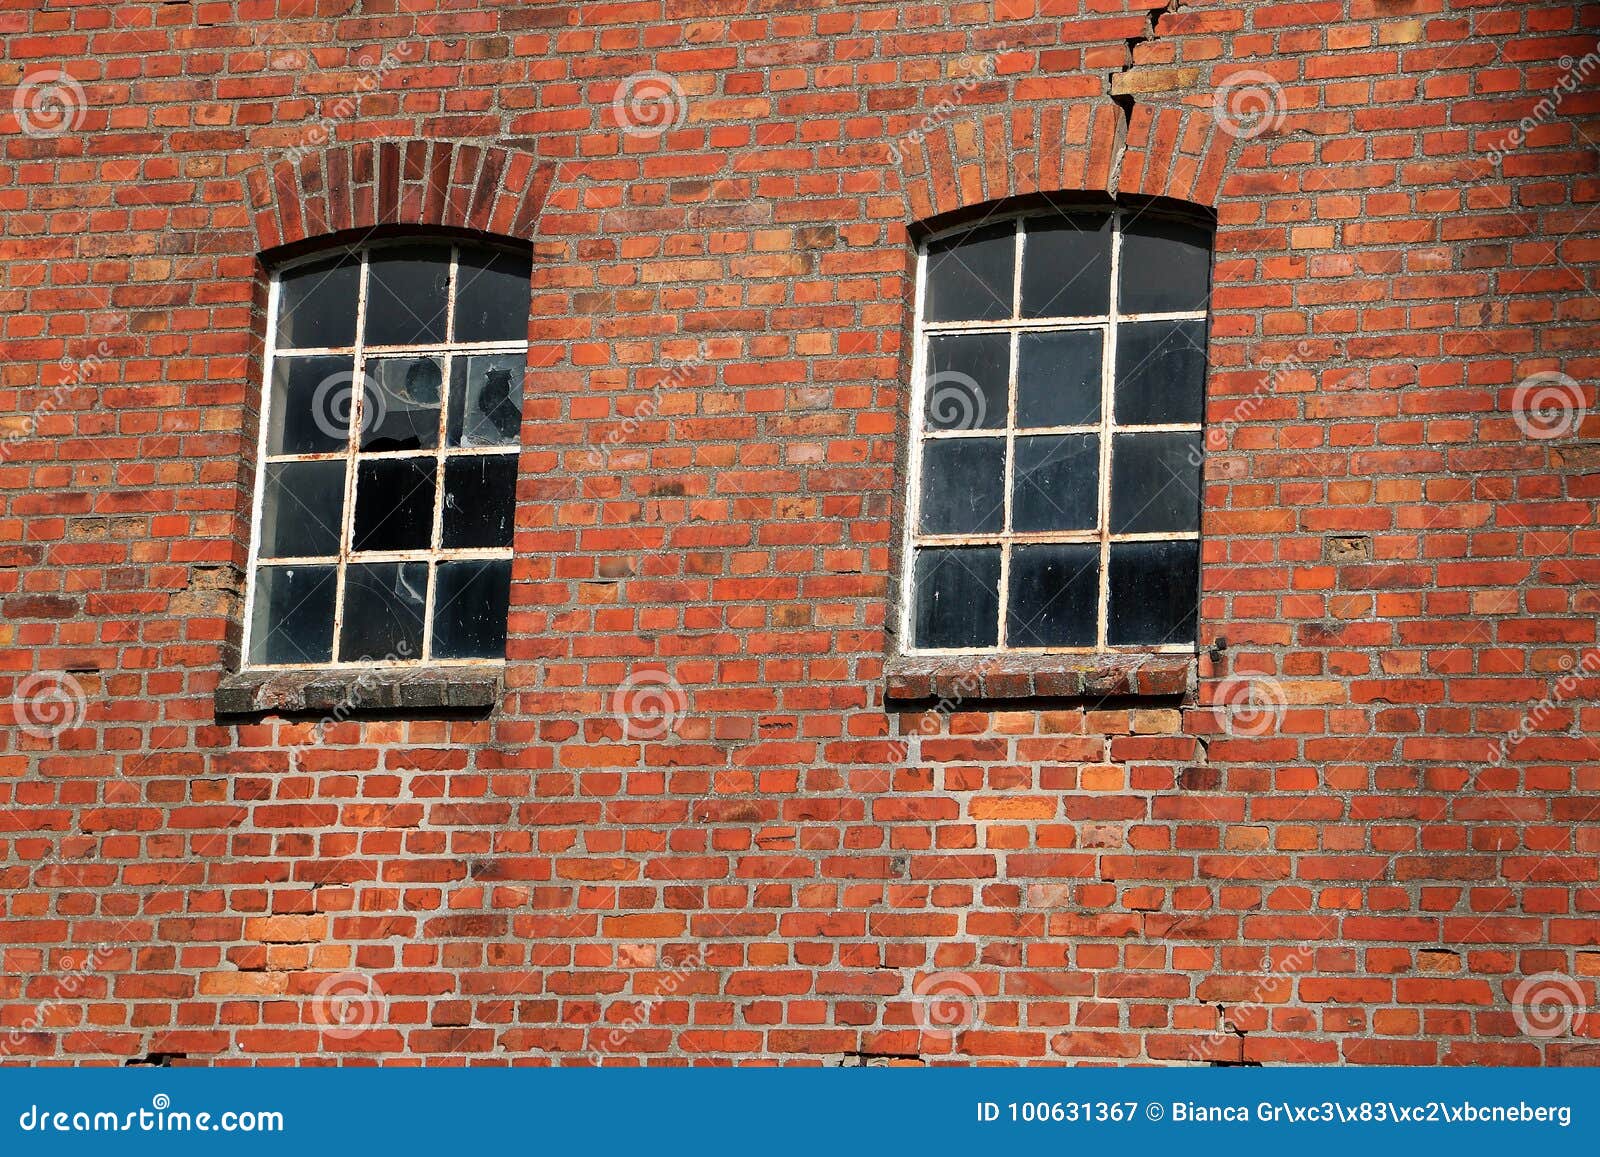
point(387, 476)
point(1056, 434)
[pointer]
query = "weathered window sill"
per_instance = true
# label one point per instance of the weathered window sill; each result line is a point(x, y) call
point(359, 691)
point(1103, 676)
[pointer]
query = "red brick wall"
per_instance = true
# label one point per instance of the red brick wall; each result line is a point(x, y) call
point(1400, 546)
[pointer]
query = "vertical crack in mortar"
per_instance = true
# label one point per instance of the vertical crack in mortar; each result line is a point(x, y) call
point(1124, 101)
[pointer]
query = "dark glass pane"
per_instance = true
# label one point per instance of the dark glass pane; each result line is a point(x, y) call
point(317, 304)
point(311, 403)
point(968, 380)
point(293, 617)
point(1155, 483)
point(1154, 593)
point(957, 597)
point(493, 293)
point(384, 604)
point(400, 404)
point(1166, 267)
point(1058, 378)
point(961, 485)
point(407, 294)
point(1066, 266)
point(480, 494)
point(470, 602)
point(1054, 598)
point(970, 274)
point(302, 509)
point(394, 504)
point(1161, 372)
point(486, 399)
point(1055, 484)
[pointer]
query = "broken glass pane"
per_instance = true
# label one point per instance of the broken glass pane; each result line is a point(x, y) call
point(1154, 593)
point(407, 294)
point(400, 404)
point(493, 292)
point(486, 399)
point(1054, 595)
point(470, 603)
point(317, 303)
point(311, 403)
point(394, 504)
point(383, 608)
point(957, 597)
point(962, 486)
point(970, 274)
point(302, 509)
point(480, 493)
point(293, 617)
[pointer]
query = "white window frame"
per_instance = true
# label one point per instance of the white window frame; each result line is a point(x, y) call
point(1106, 428)
point(359, 351)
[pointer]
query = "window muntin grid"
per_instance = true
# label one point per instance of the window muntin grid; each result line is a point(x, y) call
point(466, 451)
point(1016, 318)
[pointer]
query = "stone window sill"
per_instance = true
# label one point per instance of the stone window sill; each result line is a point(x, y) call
point(1099, 676)
point(358, 691)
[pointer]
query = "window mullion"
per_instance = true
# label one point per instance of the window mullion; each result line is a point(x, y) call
point(1108, 379)
point(358, 405)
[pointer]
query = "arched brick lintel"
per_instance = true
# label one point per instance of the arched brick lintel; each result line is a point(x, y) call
point(1179, 153)
point(368, 184)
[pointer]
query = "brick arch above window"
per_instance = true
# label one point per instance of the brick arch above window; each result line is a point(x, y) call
point(1179, 153)
point(366, 184)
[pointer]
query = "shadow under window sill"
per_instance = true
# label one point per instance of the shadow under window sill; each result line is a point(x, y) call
point(1110, 675)
point(359, 691)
